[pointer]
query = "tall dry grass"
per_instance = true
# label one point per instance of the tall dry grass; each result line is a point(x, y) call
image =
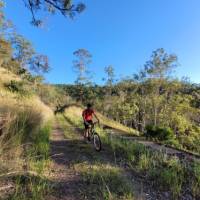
point(21, 119)
point(24, 135)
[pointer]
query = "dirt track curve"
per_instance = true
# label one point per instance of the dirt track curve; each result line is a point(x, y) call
point(171, 151)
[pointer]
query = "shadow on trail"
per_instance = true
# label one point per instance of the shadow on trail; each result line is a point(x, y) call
point(69, 152)
point(65, 154)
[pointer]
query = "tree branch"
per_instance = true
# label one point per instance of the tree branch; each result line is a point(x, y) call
point(31, 8)
point(60, 8)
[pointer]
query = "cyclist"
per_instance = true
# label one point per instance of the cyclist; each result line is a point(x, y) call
point(87, 115)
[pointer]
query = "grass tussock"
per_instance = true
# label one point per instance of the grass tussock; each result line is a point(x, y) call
point(30, 188)
point(105, 182)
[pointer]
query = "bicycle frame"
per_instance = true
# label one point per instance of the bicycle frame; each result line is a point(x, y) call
point(91, 129)
point(94, 137)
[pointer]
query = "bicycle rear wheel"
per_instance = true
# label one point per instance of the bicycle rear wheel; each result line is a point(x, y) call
point(97, 142)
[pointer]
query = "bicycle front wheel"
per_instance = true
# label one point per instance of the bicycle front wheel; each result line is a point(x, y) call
point(97, 142)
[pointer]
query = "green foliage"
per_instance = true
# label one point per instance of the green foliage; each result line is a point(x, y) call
point(160, 133)
point(191, 141)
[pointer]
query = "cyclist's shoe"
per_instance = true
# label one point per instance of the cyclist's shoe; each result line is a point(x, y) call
point(89, 139)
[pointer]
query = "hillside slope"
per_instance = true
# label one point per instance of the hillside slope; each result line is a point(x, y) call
point(25, 124)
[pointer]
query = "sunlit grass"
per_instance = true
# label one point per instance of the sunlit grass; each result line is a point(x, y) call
point(105, 182)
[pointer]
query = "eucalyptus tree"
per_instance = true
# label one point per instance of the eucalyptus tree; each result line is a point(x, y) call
point(83, 58)
point(159, 69)
point(81, 65)
point(25, 54)
point(109, 79)
point(110, 75)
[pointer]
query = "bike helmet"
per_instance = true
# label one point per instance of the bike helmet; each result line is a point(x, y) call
point(89, 105)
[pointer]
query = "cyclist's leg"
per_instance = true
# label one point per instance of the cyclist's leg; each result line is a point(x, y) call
point(90, 129)
point(85, 130)
point(84, 134)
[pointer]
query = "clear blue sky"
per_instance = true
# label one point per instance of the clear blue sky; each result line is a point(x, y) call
point(120, 33)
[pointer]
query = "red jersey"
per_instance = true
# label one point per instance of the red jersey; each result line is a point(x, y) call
point(88, 114)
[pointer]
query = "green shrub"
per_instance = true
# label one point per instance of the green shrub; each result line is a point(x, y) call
point(151, 131)
point(191, 141)
point(160, 133)
point(18, 87)
point(110, 181)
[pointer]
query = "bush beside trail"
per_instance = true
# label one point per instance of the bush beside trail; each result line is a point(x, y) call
point(160, 133)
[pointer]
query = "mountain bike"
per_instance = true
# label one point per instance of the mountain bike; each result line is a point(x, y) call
point(94, 137)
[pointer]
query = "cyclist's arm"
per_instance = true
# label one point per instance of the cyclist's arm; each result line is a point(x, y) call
point(83, 115)
point(96, 117)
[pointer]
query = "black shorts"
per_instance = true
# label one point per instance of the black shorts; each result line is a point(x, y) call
point(87, 125)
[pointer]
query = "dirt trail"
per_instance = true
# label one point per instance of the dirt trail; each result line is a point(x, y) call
point(67, 182)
